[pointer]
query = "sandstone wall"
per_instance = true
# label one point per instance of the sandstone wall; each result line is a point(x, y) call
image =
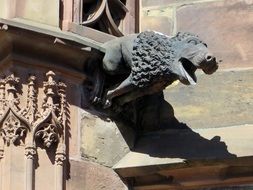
point(225, 25)
point(224, 98)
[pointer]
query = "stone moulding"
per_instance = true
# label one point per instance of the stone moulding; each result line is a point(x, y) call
point(34, 126)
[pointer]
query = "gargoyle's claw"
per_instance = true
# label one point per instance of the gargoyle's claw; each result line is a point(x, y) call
point(107, 104)
point(95, 100)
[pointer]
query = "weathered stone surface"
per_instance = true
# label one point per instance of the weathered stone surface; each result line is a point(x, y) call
point(90, 176)
point(149, 3)
point(35, 11)
point(226, 26)
point(6, 10)
point(223, 99)
point(160, 19)
point(104, 141)
point(155, 23)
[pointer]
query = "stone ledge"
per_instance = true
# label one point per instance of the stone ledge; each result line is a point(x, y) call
point(167, 147)
point(88, 175)
point(51, 31)
point(199, 158)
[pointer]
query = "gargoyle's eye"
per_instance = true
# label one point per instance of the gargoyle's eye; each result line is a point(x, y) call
point(194, 42)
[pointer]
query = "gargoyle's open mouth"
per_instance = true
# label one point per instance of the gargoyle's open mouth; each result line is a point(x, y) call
point(189, 70)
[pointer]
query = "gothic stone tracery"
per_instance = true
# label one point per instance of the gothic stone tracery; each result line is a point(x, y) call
point(34, 125)
point(45, 123)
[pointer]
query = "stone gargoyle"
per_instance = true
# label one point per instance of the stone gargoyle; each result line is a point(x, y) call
point(151, 61)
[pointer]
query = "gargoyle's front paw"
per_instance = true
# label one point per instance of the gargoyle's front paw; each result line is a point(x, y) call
point(107, 104)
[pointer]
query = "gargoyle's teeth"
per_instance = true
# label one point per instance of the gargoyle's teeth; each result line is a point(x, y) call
point(189, 71)
point(191, 77)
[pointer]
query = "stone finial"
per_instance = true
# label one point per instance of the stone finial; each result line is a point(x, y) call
point(12, 100)
point(49, 89)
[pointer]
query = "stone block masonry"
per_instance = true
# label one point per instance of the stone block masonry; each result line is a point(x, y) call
point(226, 25)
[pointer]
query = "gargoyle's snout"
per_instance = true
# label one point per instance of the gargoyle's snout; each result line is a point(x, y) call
point(209, 57)
point(210, 64)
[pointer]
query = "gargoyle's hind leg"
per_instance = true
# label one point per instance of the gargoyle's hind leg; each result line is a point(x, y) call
point(123, 88)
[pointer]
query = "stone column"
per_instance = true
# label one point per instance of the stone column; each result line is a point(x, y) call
point(60, 158)
point(30, 152)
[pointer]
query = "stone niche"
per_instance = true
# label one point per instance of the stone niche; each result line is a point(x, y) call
point(41, 100)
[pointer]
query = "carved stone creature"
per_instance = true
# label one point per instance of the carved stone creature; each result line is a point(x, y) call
point(152, 62)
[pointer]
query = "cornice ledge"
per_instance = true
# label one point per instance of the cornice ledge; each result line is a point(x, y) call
point(38, 49)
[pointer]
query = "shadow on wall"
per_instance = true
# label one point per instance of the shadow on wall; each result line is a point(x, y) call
point(162, 135)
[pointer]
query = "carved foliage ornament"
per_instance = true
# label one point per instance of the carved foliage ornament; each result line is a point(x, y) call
point(1, 153)
point(48, 134)
point(14, 126)
point(13, 129)
point(30, 151)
